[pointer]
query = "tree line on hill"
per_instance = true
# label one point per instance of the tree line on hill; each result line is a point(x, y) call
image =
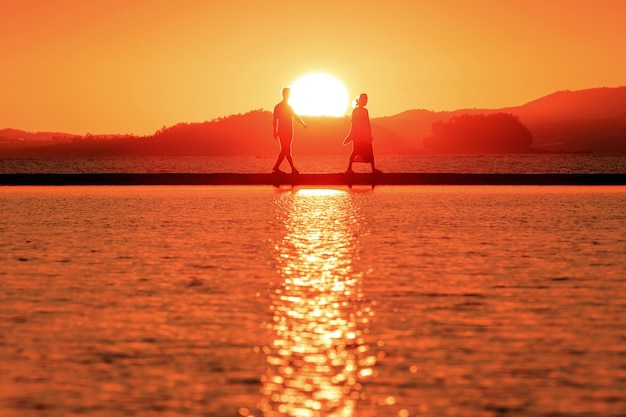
point(485, 133)
point(589, 120)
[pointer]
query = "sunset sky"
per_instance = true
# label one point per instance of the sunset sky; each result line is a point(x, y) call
point(118, 66)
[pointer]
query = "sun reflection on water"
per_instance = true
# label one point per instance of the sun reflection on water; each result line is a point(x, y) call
point(318, 357)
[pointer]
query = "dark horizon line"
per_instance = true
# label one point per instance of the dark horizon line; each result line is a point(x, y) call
point(326, 179)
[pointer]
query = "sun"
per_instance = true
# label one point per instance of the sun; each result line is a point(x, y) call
point(319, 94)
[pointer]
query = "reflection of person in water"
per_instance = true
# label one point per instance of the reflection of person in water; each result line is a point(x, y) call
point(361, 136)
point(283, 130)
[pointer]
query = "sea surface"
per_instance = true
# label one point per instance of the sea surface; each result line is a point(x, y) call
point(264, 301)
point(582, 163)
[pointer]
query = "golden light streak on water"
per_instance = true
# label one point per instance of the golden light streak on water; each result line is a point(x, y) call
point(318, 356)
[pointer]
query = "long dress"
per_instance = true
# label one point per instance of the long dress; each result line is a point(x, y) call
point(361, 135)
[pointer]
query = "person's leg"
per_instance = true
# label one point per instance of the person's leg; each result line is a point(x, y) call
point(374, 170)
point(286, 145)
point(350, 162)
point(281, 156)
point(370, 156)
point(285, 152)
point(290, 160)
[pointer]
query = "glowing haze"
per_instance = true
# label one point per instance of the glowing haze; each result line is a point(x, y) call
point(133, 66)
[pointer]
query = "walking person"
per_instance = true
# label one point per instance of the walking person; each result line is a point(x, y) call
point(361, 136)
point(283, 130)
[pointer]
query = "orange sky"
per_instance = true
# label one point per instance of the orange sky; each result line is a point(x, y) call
point(134, 66)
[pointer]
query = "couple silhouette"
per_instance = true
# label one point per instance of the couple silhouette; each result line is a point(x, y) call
point(360, 133)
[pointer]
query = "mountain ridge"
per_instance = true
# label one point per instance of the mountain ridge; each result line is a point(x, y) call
point(590, 120)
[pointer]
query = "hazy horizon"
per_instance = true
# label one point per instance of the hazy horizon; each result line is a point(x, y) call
point(107, 67)
point(94, 133)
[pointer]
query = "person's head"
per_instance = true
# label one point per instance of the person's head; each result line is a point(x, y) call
point(286, 93)
point(362, 100)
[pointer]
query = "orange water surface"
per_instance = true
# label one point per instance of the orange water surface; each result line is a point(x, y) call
point(258, 301)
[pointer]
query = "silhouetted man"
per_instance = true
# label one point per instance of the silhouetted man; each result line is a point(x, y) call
point(283, 130)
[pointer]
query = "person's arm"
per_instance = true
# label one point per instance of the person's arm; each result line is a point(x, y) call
point(348, 138)
point(298, 118)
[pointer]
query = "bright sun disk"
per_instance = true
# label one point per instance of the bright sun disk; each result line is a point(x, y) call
point(319, 94)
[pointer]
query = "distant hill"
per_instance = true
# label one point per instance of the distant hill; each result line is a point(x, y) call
point(9, 135)
point(588, 120)
point(592, 120)
point(566, 121)
point(480, 133)
point(596, 103)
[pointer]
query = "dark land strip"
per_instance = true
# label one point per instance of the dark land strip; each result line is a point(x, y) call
point(338, 179)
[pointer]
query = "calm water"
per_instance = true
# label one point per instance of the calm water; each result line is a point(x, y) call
point(480, 164)
point(397, 301)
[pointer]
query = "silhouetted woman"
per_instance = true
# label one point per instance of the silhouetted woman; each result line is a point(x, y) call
point(361, 136)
